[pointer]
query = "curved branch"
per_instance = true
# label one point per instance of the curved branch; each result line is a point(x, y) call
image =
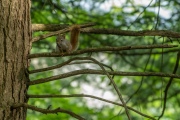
point(169, 84)
point(66, 63)
point(89, 96)
point(114, 85)
point(46, 111)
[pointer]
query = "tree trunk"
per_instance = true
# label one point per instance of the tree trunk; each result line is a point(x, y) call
point(15, 35)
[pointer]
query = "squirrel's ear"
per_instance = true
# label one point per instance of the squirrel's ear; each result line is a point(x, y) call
point(60, 36)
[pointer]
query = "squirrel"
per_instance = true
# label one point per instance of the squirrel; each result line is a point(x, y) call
point(63, 45)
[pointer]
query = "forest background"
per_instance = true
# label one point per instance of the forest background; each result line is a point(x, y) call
point(144, 93)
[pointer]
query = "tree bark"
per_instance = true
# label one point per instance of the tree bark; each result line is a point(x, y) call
point(15, 36)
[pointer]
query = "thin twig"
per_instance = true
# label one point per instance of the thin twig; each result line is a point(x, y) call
point(157, 18)
point(169, 84)
point(143, 11)
point(142, 78)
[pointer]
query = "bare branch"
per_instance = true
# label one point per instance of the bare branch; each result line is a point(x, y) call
point(46, 111)
point(49, 34)
point(48, 27)
point(101, 50)
point(59, 32)
point(100, 72)
point(162, 33)
point(53, 67)
point(55, 27)
point(89, 96)
point(65, 63)
point(149, 53)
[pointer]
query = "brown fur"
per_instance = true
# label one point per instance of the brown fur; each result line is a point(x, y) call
point(75, 31)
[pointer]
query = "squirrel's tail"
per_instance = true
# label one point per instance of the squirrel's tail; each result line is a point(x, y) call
point(75, 31)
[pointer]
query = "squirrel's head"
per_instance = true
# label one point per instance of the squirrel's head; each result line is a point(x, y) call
point(60, 37)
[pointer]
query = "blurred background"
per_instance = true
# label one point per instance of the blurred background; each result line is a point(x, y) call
point(144, 94)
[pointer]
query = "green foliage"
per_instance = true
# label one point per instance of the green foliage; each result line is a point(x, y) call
point(145, 92)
